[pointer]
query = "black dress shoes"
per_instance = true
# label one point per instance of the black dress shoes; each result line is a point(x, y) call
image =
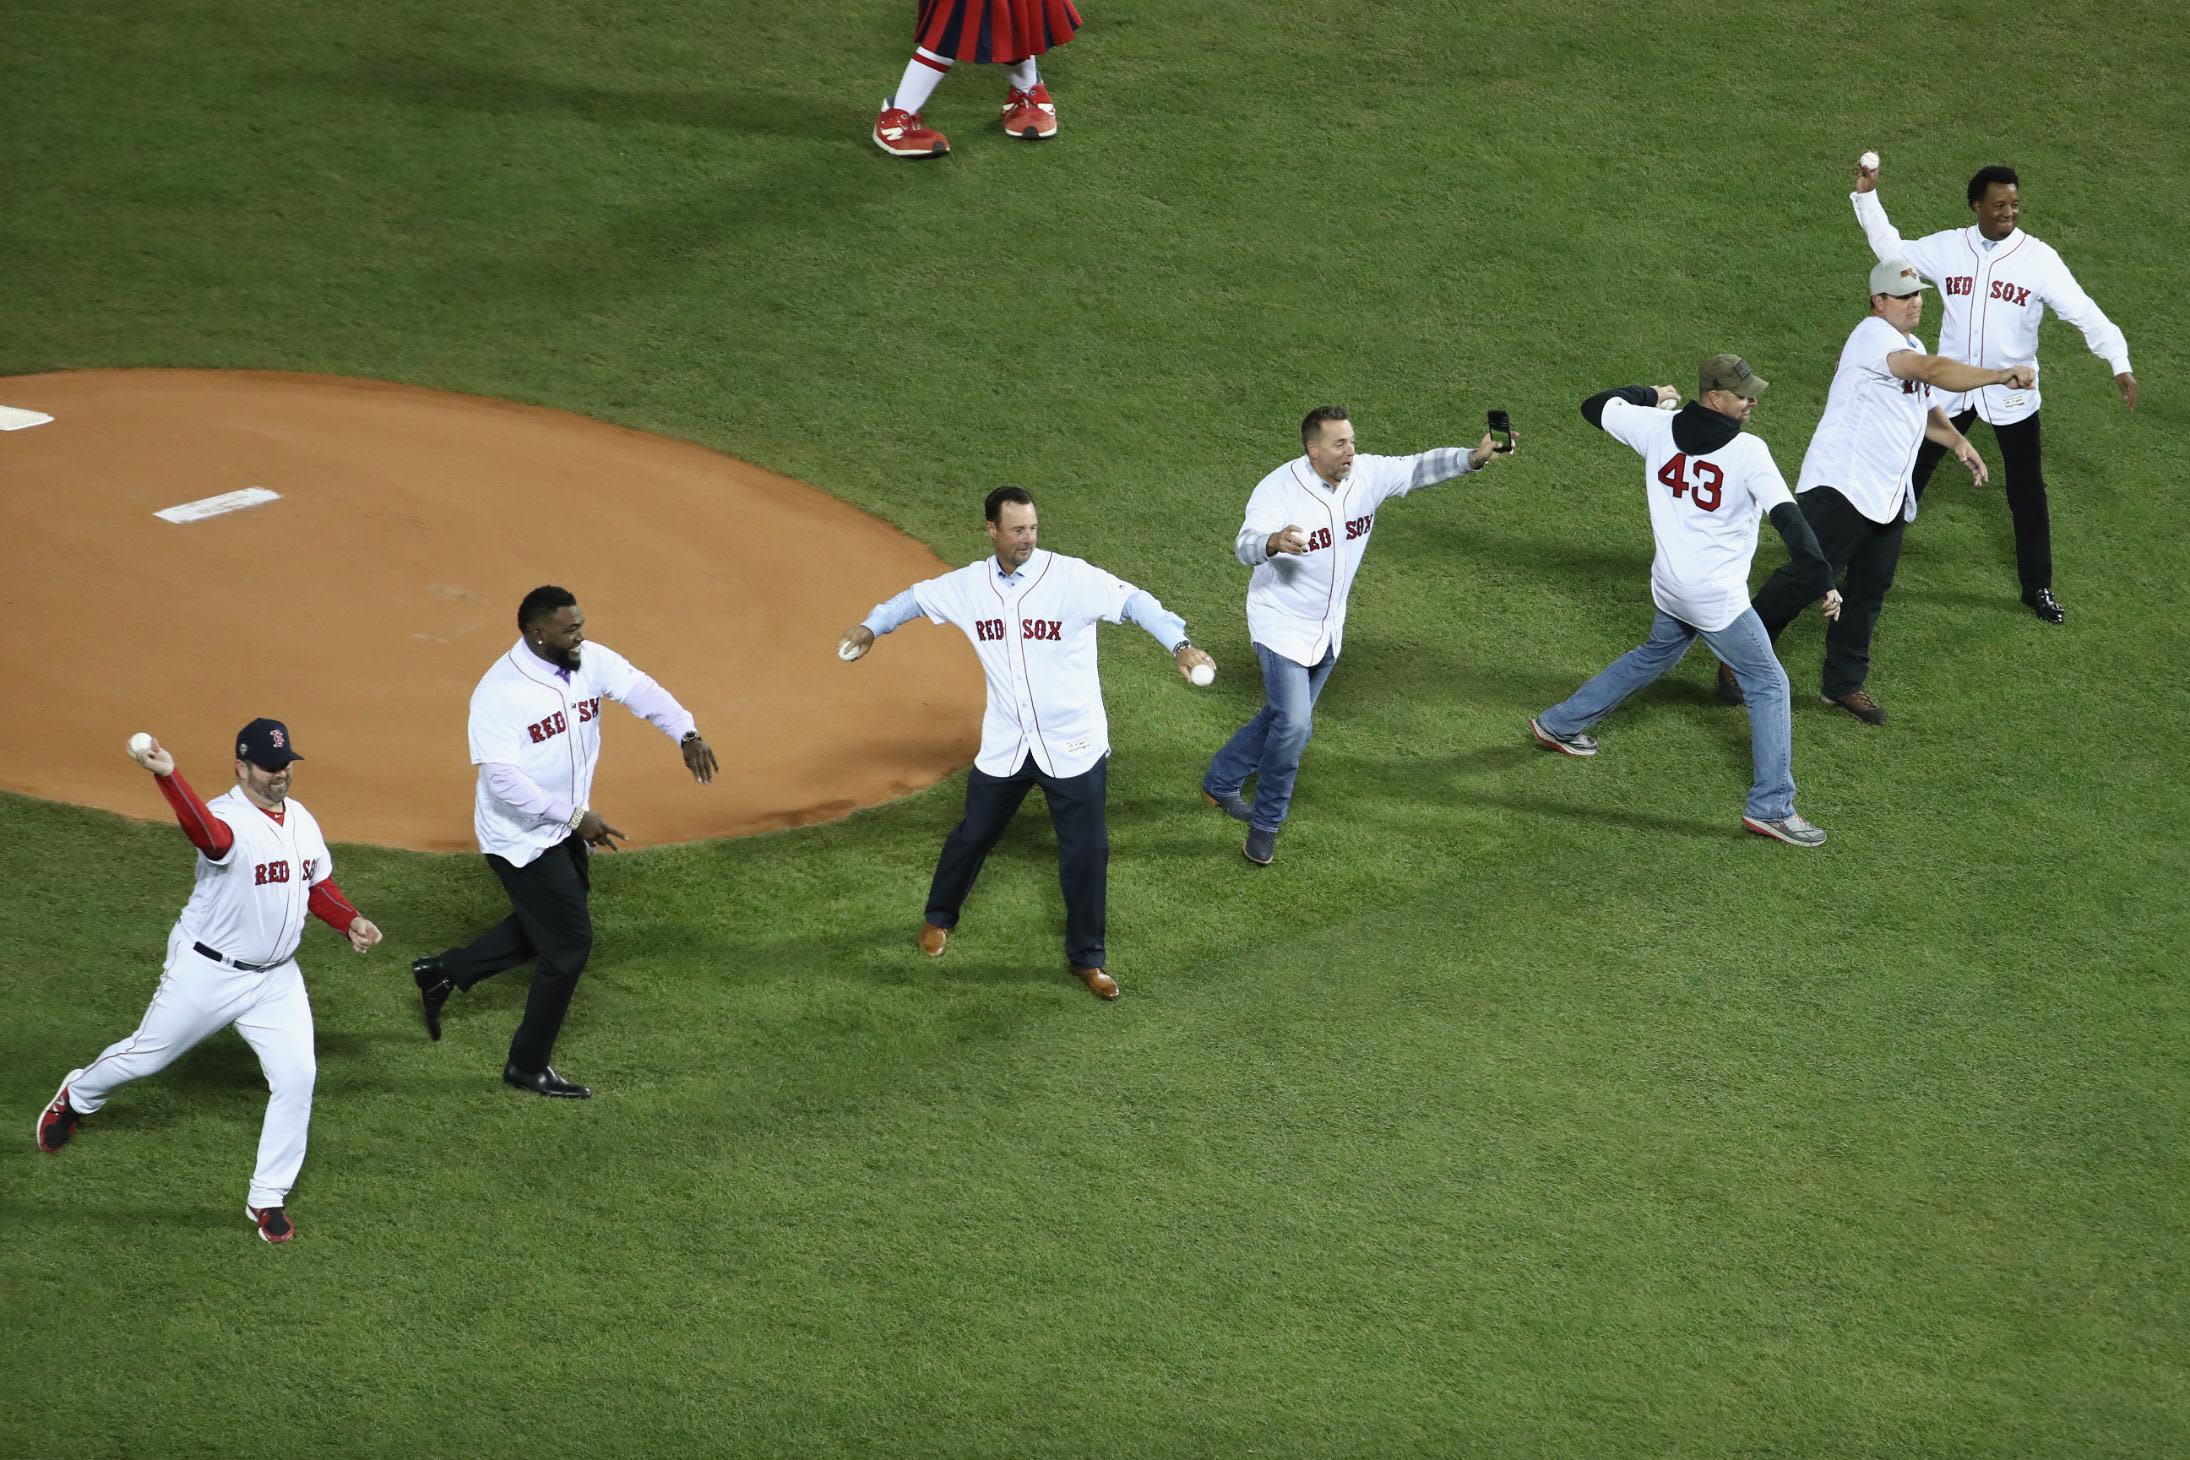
point(434, 988)
point(545, 1082)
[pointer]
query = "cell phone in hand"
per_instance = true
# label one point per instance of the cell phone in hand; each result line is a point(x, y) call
point(1502, 424)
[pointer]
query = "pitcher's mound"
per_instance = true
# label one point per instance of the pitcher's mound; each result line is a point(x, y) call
point(364, 598)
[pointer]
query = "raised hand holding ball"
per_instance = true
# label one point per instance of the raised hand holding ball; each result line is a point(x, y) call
point(146, 751)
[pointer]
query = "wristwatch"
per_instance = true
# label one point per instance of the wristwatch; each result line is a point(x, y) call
point(689, 737)
point(1182, 644)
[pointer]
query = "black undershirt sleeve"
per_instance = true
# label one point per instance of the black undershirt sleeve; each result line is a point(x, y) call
point(1802, 548)
point(1634, 395)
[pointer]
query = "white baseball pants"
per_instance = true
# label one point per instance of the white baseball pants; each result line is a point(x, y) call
point(197, 998)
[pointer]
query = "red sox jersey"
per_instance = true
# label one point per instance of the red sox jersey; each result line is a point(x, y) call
point(1034, 632)
point(1704, 512)
point(546, 723)
point(251, 904)
point(1992, 297)
point(1866, 441)
point(1296, 602)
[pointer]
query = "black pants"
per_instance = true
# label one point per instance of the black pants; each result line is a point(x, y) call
point(550, 922)
point(1076, 809)
point(1863, 554)
point(2026, 494)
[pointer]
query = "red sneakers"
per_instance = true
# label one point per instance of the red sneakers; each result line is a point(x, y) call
point(902, 134)
point(1030, 114)
point(273, 1223)
point(57, 1122)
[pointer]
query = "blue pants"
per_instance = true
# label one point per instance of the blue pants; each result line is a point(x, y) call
point(1076, 809)
point(1746, 649)
point(1269, 746)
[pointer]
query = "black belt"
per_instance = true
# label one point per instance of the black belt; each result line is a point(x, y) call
point(235, 962)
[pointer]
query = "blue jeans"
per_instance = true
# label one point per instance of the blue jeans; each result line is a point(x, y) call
point(1746, 649)
point(1269, 746)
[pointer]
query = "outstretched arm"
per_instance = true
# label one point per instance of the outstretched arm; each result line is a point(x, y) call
point(207, 832)
point(1160, 623)
point(659, 708)
point(1939, 371)
point(1886, 240)
point(1634, 395)
point(1167, 629)
point(892, 614)
point(1443, 463)
point(2104, 338)
point(1878, 229)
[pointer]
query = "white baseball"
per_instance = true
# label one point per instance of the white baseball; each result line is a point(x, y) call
point(847, 652)
point(140, 745)
point(1868, 162)
point(1202, 673)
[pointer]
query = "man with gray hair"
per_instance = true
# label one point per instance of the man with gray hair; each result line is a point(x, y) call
point(1854, 488)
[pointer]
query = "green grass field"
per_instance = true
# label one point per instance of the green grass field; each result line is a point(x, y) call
point(1525, 1107)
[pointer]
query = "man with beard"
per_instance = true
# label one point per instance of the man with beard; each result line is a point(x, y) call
point(536, 738)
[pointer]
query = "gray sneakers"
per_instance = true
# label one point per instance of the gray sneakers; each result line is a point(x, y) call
point(1234, 805)
point(1791, 829)
point(1576, 744)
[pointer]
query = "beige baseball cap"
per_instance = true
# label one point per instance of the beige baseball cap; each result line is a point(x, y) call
point(1897, 277)
point(1730, 372)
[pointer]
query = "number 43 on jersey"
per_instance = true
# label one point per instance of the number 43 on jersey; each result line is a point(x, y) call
point(1699, 480)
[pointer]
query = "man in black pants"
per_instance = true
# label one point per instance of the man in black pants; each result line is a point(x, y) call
point(1030, 615)
point(1998, 283)
point(536, 738)
point(1854, 488)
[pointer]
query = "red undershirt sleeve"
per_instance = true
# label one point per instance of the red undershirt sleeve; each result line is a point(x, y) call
point(207, 832)
point(331, 907)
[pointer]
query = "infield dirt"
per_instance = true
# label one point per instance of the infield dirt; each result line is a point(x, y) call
point(363, 605)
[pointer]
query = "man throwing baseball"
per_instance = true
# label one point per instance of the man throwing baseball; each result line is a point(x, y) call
point(1997, 283)
point(1708, 484)
point(1854, 489)
point(262, 867)
point(1307, 527)
point(1030, 615)
point(536, 738)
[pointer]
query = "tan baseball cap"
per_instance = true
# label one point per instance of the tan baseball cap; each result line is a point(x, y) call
point(1897, 277)
point(1730, 372)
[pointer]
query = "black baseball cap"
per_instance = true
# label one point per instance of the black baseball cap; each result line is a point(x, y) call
point(265, 743)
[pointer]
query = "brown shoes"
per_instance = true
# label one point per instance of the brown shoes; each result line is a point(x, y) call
point(1860, 705)
point(1729, 687)
point(1099, 983)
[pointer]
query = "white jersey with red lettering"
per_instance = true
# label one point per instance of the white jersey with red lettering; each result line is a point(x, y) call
point(546, 721)
point(249, 909)
point(1034, 633)
point(1296, 602)
point(1704, 511)
point(1993, 293)
point(251, 905)
point(1865, 443)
